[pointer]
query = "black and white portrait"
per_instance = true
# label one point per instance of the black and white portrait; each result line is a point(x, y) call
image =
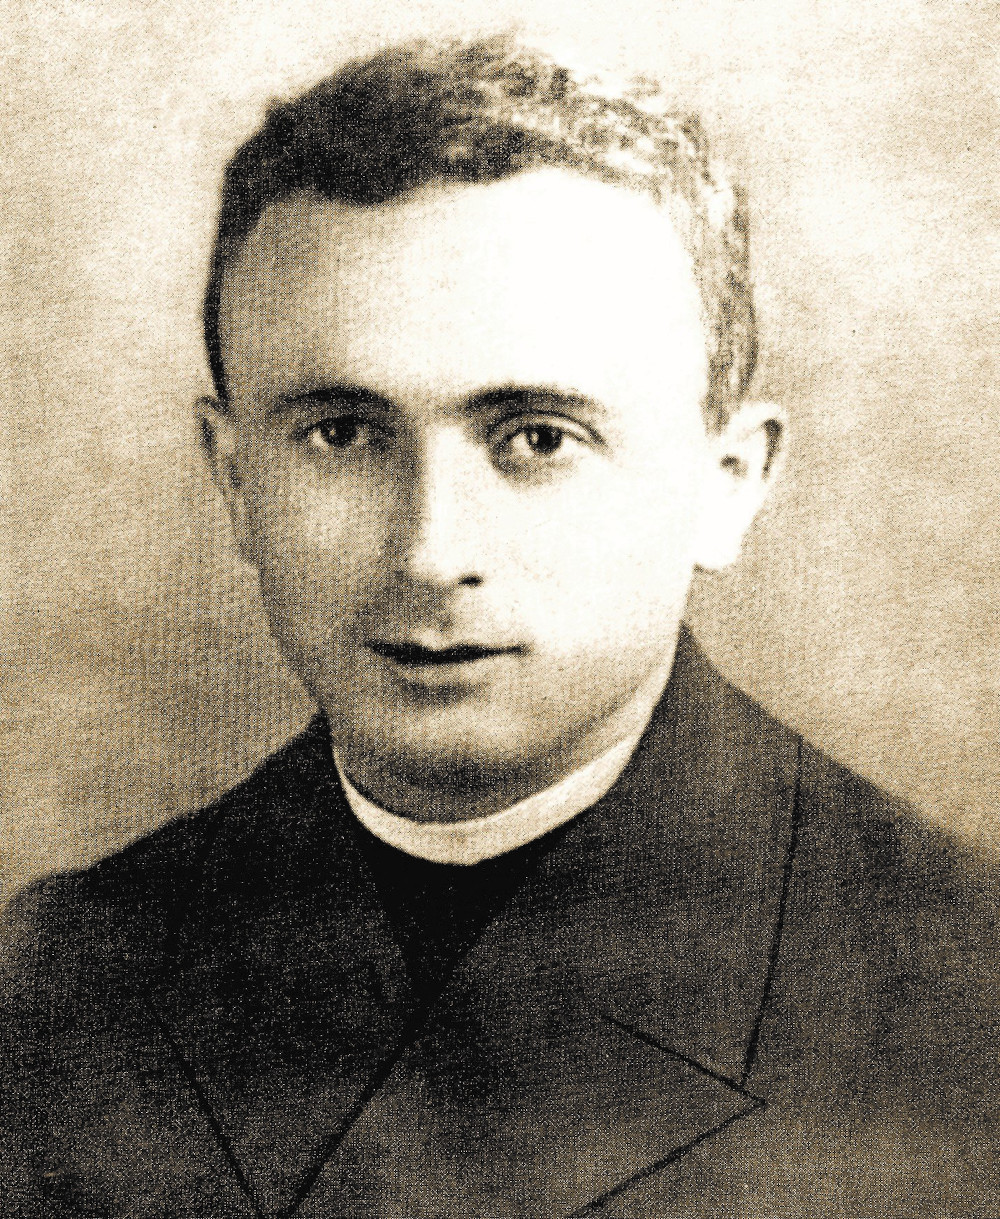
point(500, 648)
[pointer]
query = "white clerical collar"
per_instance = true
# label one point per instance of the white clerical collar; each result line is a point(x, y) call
point(470, 842)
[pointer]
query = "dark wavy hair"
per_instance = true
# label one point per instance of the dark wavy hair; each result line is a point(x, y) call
point(483, 111)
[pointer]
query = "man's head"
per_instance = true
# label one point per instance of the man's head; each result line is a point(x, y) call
point(481, 332)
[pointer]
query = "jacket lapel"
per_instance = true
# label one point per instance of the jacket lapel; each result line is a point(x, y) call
point(607, 1019)
point(284, 992)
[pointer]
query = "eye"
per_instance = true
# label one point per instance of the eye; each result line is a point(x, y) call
point(339, 432)
point(541, 444)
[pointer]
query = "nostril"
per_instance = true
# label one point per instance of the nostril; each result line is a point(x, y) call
point(471, 581)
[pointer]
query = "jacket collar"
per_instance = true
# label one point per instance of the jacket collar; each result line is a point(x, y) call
point(608, 1016)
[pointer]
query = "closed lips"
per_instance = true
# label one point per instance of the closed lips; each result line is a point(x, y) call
point(412, 654)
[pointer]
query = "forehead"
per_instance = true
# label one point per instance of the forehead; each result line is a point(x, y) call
point(545, 278)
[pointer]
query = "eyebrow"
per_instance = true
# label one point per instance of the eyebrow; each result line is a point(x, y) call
point(507, 396)
point(336, 394)
point(493, 399)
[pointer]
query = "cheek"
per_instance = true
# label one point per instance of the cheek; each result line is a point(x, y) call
point(313, 544)
point(615, 563)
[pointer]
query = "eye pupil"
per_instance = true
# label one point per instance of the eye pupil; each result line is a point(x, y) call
point(338, 433)
point(543, 440)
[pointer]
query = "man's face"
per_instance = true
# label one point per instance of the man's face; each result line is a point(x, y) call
point(465, 452)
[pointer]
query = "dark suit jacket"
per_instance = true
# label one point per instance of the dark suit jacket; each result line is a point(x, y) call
point(744, 983)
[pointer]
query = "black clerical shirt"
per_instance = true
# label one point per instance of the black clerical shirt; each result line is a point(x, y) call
point(439, 910)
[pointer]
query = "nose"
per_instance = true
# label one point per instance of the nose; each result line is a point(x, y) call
point(441, 523)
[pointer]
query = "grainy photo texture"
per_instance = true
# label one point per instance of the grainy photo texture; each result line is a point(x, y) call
point(500, 676)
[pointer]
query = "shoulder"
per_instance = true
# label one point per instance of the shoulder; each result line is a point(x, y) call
point(897, 891)
point(885, 981)
point(84, 912)
point(881, 861)
point(845, 824)
point(885, 911)
point(724, 742)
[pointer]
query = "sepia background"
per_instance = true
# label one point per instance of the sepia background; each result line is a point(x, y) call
point(136, 678)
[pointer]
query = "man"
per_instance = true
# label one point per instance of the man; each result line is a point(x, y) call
point(540, 916)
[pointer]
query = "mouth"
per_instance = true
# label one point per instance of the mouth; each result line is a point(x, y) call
point(416, 657)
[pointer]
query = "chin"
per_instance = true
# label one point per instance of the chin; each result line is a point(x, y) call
point(442, 750)
point(473, 757)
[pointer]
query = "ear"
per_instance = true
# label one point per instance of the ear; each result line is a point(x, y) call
point(219, 437)
point(745, 457)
